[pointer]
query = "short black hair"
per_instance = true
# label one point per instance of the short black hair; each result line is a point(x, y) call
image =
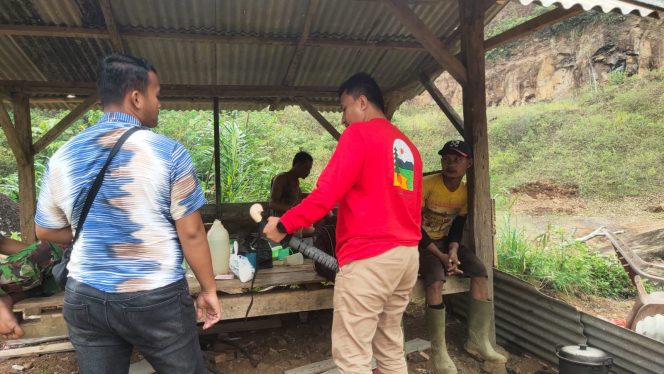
point(302, 157)
point(363, 84)
point(118, 74)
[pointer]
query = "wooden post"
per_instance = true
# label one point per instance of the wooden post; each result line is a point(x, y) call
point(438, 97)
point(471, 16)
point(26, 168)
point(217, 159)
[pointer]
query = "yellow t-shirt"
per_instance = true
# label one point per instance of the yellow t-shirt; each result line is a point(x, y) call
point(440, 206)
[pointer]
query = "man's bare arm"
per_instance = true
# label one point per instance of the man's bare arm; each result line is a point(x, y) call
point(9, 246)
point(60, 236)
point(191, 233)
point(277, 190)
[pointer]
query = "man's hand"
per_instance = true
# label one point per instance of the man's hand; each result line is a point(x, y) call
point(445, 260)
point(271, 232)
point(453, 261)
point(207, 305)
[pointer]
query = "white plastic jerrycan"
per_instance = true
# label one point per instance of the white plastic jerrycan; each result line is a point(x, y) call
point(219, 247)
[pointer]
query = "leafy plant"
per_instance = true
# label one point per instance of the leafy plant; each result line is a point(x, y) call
point(554, 261)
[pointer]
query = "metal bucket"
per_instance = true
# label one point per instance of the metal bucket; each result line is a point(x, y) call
point(581, 359)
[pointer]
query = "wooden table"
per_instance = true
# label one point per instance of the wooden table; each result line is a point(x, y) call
point(42, 316)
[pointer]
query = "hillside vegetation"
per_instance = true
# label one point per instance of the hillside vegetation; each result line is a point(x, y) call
point(609, 142)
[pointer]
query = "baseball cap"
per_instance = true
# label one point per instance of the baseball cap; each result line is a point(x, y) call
point(456, 147)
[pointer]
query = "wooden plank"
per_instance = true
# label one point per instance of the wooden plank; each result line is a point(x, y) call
point(309, 107)
point(10, 133)
point(294, 64)
point(475, 120)
point(111, 26)
point(530, 26)
point(52, 324)
point(64, 123)
point(272, 303)
point(428, 39)
point(453, 285)
point(26, 168)
point(276, 276)
point(40, 349)
point(443, 104)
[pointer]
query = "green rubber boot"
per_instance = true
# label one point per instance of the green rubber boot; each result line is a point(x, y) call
point(442, 363)
point(479, 322)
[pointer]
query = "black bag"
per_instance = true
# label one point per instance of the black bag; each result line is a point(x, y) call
point(325, 239)
point(59, 270)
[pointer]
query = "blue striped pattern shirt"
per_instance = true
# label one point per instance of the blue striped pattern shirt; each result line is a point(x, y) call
point(129, 242)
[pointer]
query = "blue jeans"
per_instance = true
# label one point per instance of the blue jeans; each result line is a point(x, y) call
point(104, 327)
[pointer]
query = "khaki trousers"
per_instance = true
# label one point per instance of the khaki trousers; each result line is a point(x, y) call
point(370, 296)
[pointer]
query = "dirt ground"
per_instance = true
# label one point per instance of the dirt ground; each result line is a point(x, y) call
point(299, 343)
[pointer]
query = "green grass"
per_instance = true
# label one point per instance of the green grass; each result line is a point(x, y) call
point(555, 262)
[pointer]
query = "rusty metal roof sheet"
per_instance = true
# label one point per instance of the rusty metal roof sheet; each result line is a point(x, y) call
point(641, 8)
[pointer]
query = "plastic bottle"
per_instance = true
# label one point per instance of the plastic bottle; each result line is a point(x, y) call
point(219, 248)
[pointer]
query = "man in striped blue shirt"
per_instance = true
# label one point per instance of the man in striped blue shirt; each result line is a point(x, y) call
point(126, 285)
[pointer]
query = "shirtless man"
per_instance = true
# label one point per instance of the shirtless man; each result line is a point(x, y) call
point(286, 192)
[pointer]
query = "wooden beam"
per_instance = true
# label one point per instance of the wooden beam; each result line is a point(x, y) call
point(428, 39)
point(471, 16)
point(539, 22)
point(217, 158)
point(306, 105)
point(55, 31)
point(111, 26)
point(83, 32)
point(64, 123)
point(26, 168)
point(37, 350)
point(445, 106)
point(10, 133)
point(299, 50)
point(173, 90)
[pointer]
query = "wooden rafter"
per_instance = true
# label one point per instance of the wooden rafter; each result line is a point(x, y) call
point(10, 133)
point(309, 107)
point(428, 39)
point(537, 23)
point(173, 90)
point(82, 32)
point(64, 123)
point(299, 49)
point(444, 105)
point(111, 26)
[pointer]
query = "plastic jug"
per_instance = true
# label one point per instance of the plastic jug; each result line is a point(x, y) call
point(219, 248)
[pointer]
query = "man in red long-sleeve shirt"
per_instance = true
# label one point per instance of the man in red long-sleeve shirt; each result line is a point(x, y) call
point(375, 175)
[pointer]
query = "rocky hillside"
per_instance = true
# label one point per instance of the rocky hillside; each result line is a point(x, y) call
point(578, 54)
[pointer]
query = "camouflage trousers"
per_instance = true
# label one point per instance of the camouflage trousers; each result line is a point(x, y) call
point(29, 271)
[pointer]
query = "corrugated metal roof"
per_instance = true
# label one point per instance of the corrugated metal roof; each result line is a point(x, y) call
point(215, 60)
point(625, 7)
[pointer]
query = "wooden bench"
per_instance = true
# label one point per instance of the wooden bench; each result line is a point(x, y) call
point(42, 316)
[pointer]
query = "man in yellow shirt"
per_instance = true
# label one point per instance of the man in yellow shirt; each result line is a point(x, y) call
point(444, 211)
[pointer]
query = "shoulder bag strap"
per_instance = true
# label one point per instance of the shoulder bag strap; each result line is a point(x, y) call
point(99, 179)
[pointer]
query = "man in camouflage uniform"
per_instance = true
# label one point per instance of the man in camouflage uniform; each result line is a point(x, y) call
point(25, 272)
